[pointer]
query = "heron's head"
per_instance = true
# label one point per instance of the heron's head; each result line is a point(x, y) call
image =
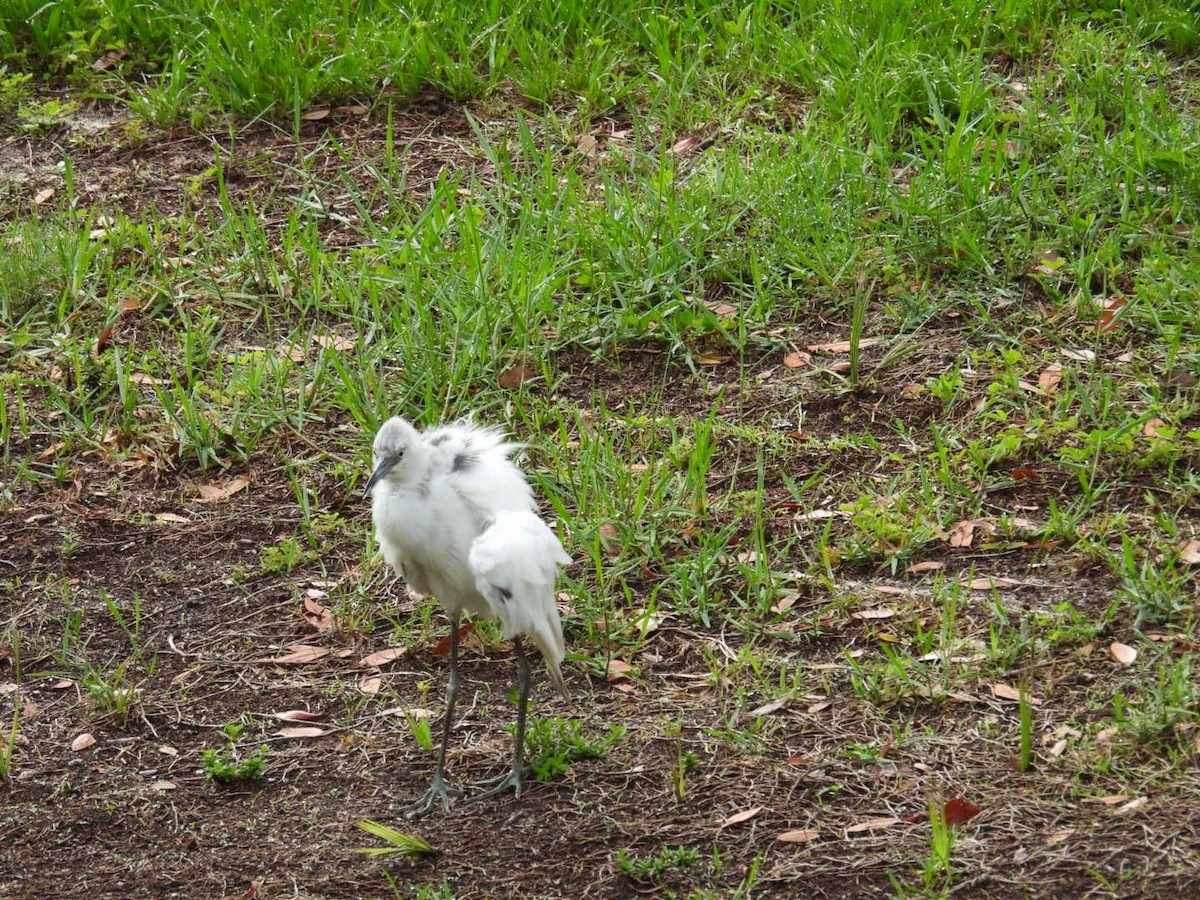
point(396, 445)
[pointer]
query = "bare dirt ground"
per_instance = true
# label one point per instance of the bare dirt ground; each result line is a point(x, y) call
point(134, 816)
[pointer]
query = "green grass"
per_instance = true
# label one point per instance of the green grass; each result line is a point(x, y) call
point(985, 190)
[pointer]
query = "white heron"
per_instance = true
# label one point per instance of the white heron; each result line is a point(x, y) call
point(456, 518)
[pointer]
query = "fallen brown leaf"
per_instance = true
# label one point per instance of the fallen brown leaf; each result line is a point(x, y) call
point(1133, 805)
point(300, 653)
point(210, 493)
point(42, 196)
point(297, 715)
point(516, 376)
point(1153, 428)
point(928, 566)
point(618, 670)
point(83, 741)
point(742, 816)
point(1050, 378)
point(841, 346)
point(442, 648)
point(873, 824)
point(1057, 837)
point(370, 686)
point(587, 145)
point(381, 657)
point(885, 612)
point(959, 810)
point(1189, 554)
point(767, 708)
point(798, 836)
point(964, 531)
point(783, 604)
point(303, 731)
point(797, 360)
point(1122, 653)
point(1008, 692)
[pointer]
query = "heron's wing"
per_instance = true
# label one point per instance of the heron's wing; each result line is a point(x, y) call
point(475, 461)
point(515, 562)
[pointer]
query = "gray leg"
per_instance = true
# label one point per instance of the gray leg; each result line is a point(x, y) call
point(439, 789)
point(514, 778)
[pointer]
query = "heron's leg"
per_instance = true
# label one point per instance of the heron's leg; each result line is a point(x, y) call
point(439, 789)
point(514, 777)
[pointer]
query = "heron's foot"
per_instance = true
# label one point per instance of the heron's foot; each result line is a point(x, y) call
point(439, 790)
point(512, 780)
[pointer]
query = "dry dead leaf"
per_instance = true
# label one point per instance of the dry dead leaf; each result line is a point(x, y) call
point(618, 670)
point(1050, 263)
point(964, 531)
point(83, 741)
point(442, 648)
point(370, 686)
point(1057, 837)
point(767, 708)
point(337, 342)
point(742, 816)
point(1135, 804)
point(1153, 428)
point(684, 144)
point(297, 715)
point(783, 604)
point(989, 583)
point(798, 836)
point(891, 589)
point(1059, 748)
point(1122, 653)
point(42, 196)
point(959, 810)
point(587, 145)
point(1079, 355)
point(171, 518)
point(712, 359)
point(516, 376)
point(841, 346)
point(797, 360)
point(1110, 800)
point(304, 731)
point(1008, 692)
point(928, 566)
point(314, 115)
point(210, 493)
point(1108, 315)
point(108, 60)
point(1189, 554)
point(874, 824)
point(300, 653)
point(168, 750)
point(819, 706)
point(382, 657)
point(1050, 378)
point(885, 612)
point(163, 785)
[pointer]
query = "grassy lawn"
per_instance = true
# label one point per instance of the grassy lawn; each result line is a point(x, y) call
point(856, 346)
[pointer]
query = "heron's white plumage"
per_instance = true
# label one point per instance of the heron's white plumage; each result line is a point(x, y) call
point(456, 518)
point(515, 561)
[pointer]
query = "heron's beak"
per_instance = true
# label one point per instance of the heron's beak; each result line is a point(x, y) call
point(385, 465)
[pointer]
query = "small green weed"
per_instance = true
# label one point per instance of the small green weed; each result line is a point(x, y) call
point(654, 868)
point(226, 764)
point(552, 745)
point(400, 844)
